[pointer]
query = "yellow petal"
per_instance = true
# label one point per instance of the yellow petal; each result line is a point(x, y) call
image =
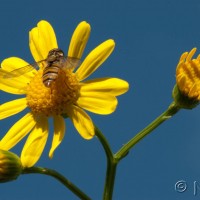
point(113, 86)
point(95, 59)
point(34, 44)
point(191, 54)
point(194, 91)
point(182, 81)
point(10, 108)
point(42, 39)
point(15, 63)
point(12, 86)
point(18, 131)
point(35, 143)
point(59, 132)
point(183, 57)
point(18, 84)
point(99, 103)
point(81, 121)
point(79, 40)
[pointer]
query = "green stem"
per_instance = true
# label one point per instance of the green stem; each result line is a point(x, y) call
point(110, 180)
point(113, 159)
point(59, 177)
point(111, 166)
point(104, 143)
point(172, 109)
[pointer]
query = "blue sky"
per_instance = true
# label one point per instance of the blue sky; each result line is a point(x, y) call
point(150, 36)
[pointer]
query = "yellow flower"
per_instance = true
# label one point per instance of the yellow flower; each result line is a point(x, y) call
point(68, 96)
point(187, 90)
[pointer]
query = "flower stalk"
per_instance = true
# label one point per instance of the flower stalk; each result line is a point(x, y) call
point(172, 110)
point(59, 177)
point(110, 179)
point(111, 166)
point(114, 159)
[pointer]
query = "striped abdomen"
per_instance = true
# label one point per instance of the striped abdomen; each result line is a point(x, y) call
point(50, 74)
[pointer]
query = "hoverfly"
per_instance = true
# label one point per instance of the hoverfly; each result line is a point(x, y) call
point(54, 62)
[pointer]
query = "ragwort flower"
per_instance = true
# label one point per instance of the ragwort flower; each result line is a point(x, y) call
point(68, 96)
point(187, 90)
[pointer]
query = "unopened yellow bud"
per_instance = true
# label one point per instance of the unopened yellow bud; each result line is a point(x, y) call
point(10, 166)
point(186, 92)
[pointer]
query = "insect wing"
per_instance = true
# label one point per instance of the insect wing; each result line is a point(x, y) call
point(3, 73)
point(72, 63)
point(20, 71)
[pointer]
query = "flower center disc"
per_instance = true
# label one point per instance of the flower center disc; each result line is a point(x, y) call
point(53, 100)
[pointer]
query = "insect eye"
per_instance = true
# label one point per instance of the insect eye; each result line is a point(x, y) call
point(59, 52)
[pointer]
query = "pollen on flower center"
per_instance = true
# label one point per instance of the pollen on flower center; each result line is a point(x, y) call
point(52, 101)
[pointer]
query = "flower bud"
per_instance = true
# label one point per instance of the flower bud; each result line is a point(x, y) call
point(186, 92)
point(10, 166)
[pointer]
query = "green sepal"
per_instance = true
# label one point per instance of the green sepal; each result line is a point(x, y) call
point(182, 100)
point(10, 166)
